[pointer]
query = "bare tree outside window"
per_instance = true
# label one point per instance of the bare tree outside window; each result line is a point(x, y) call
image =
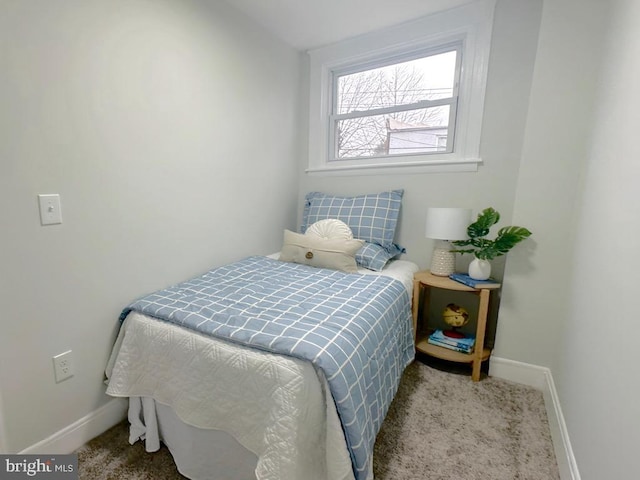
point(394, 109)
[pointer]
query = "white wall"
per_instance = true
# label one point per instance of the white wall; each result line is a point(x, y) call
point(534, 309)
point(577, 188)
point(598, 356)
point(168, 129)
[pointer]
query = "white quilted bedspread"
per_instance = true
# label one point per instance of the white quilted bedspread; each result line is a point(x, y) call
point(277, 407)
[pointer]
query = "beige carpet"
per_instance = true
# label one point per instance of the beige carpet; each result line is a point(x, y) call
point(441, 426)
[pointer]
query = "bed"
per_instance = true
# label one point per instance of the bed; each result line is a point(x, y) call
point(271, 367)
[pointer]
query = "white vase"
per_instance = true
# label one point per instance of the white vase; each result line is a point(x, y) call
point(479, 269)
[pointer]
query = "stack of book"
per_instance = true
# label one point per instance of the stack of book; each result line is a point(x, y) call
point(464, 344)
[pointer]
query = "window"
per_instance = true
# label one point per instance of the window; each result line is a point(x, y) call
point(402, 108)
point(405, 99)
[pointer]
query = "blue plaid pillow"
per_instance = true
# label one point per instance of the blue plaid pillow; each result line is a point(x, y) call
point(371, 217)
point(374, 257)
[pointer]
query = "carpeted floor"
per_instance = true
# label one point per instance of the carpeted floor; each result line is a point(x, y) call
point(441, 426)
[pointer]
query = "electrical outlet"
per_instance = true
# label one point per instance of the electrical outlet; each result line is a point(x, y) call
point(63, 366)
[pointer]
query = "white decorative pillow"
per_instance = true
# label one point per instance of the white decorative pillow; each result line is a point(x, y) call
point(330, 228)
point(334, 253)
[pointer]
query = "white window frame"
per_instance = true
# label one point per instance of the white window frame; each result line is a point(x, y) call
point(468, 26)
point(452, 101)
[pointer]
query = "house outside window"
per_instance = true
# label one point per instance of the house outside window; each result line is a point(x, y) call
point(407, 139)
point(407, 99)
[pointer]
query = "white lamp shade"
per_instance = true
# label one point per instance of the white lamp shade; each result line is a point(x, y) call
point(448, 223)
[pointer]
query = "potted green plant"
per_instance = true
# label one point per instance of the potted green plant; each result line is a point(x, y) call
point(485, 249)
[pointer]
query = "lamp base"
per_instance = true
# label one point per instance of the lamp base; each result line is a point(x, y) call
point(443, 260)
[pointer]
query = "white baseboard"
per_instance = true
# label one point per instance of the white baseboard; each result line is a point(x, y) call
point(541, 379)
point(559, 433)
point(80, 432)
point(524, 373)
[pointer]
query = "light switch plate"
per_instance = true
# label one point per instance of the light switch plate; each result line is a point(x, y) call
point(50, 212)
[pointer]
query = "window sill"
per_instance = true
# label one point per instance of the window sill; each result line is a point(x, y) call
point(432, 166)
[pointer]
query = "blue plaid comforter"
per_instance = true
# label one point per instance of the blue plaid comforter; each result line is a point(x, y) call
point(355, 328)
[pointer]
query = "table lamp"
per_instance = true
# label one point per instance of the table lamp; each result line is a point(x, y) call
point(445, 224)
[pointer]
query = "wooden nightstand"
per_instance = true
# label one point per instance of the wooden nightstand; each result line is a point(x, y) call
point(426, 280)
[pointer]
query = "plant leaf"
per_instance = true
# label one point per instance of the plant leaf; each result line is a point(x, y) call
point(508, 237)
point(486, 219)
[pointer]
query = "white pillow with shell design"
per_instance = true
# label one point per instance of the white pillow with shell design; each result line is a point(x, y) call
point(326, 244)
point(330, 228)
